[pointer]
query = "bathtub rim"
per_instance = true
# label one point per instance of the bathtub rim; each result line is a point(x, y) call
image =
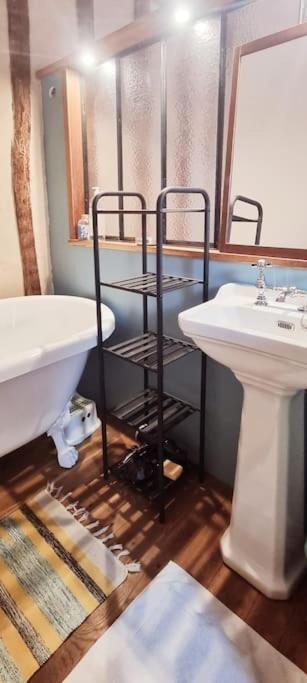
point(22, 362)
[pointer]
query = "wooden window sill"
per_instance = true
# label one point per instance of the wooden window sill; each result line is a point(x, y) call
point(188, 252)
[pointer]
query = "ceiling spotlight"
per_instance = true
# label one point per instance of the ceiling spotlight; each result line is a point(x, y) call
point(202, 29)
point(88, 59)
point(109, 67)
point(182, 15)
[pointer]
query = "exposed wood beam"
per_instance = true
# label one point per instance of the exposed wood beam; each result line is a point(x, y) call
point(143, 31)
point(74, 149)
point(20, 69)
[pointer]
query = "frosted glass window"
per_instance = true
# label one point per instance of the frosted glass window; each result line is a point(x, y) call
point(141, 130)
point(192, 94)
point(102, 138)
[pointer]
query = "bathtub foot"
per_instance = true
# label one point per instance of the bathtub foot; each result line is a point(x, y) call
point(67, 455)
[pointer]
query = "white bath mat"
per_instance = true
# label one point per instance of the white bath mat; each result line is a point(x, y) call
point(178, 632)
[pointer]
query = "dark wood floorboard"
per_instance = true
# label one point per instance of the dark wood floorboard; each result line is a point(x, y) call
point(196, 519)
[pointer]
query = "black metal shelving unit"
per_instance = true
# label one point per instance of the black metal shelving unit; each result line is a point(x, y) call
point(153, 411)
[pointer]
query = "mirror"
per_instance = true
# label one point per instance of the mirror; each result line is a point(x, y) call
point(265, 198)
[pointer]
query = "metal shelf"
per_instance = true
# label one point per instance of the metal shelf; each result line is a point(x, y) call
point(141, 413)
point(147, 212)
point(152, 412)
point(147, 284)
point(142, 350)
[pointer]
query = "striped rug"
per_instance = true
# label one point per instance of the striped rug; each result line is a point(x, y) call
point(53, 574)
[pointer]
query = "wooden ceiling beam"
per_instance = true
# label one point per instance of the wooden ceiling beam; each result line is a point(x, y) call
point(143, 31)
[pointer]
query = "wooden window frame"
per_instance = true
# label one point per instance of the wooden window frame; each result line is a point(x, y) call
point(74, 148)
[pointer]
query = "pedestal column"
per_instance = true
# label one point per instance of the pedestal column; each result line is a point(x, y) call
point(265, 540)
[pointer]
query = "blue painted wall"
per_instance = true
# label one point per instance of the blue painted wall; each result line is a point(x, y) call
point(74, 274)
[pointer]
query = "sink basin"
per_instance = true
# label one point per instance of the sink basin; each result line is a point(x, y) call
point(266, 348)
point(270, 335)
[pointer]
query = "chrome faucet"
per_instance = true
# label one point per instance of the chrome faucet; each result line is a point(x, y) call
point(260, 282)
point(287, 291)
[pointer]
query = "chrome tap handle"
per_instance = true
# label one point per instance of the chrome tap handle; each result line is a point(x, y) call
point(283, 293)
point(289, 291)
point(260, 282)
point(261, 264)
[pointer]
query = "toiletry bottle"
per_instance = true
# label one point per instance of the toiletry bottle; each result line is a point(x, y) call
point(83, 229)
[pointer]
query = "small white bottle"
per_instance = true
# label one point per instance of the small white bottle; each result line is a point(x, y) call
point(83, 228)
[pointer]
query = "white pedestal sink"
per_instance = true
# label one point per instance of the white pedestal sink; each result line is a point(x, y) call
point(266, 348)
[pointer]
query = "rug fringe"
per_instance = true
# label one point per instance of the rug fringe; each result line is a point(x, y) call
point(75, 511)
point(92, 525)
point(123, 553)
point(133, 567)
point(107, 538)
point(101, 531)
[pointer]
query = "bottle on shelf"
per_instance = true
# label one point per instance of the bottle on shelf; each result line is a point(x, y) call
point(83, 228)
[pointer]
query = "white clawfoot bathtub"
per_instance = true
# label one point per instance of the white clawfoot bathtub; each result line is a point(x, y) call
point(44, 345)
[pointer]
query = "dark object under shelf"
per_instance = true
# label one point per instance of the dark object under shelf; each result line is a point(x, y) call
point(140, 468)
point(153, 412)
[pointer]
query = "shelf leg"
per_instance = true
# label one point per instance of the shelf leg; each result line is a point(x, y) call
point(105, 449)
point(305, 458)
point(162, 514)
point(104, 436)
point(202, 430)
point(102, 391)
point(160, 362)
point(160, 426)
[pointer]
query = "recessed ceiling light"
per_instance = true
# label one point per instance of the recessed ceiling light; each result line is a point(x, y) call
point(202, 29)
point(88, 58)
point(182, 15)
point(109, 67)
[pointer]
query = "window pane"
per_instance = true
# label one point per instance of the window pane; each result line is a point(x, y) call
point(141, 130)
point(192, 93)
point(102, 138)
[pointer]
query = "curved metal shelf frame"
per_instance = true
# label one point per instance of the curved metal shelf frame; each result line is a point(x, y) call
point(156, 285)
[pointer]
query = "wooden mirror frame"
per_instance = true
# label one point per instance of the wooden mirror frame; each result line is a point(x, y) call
point(254, 46)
